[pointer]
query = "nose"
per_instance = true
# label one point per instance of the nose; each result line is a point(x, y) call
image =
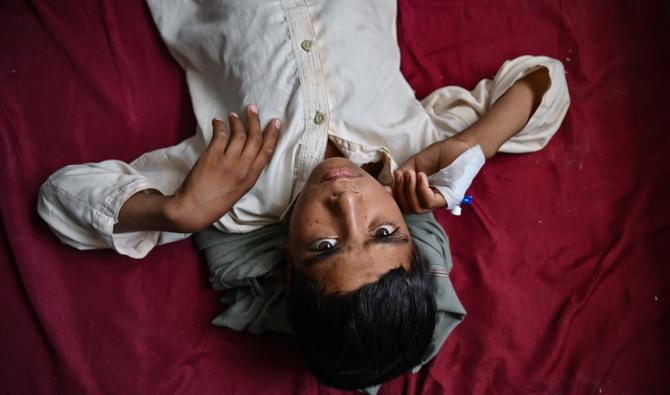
point(347, 205)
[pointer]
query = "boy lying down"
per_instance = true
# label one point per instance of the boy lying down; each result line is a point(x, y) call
point(366, 298)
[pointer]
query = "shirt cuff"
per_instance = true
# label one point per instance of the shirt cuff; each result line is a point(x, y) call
point(454, 180)
point(133, 244)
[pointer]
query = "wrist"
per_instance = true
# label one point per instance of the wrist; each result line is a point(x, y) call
point(177, 216)
point(453, 147)
point(147, 210)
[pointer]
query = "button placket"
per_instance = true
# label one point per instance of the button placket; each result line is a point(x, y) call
point(313, 88)
point(319, 118)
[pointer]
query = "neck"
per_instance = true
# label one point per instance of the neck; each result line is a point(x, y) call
point(371, 168)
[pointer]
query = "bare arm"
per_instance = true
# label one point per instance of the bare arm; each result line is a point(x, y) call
point(507, 116)
point(225, 171)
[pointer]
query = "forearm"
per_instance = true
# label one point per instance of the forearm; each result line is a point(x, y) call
point(507, 116)
point(416, 185)
point(148, 210)
point(224, 172)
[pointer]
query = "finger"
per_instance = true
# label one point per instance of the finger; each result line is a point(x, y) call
point(270, 137)
point(428, 196)
point(388, 189)
point(238, 135)
point(410, 188)
point(219, 136)
point(254, 138)
point(399, 190)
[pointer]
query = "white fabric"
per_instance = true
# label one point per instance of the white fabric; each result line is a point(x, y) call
point(241, 52)
point(454, 180)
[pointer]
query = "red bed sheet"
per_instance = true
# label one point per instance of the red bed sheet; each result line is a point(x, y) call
point(561, 262)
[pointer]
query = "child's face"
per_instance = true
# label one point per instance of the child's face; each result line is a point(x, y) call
point(346, 230)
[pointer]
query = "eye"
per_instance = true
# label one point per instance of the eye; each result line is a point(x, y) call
point(385, 231)
point(323, 244)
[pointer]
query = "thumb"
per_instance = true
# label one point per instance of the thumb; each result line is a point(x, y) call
point(429, 196)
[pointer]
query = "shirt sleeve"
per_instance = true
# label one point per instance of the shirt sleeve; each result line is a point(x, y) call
point(452, 109)
point(81, 203)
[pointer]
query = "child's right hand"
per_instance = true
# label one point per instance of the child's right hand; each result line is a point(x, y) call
point(225, 171)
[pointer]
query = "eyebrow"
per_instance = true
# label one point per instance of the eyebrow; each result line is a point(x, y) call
point(391, 240)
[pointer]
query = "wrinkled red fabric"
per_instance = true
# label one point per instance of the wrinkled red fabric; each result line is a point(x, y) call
point(561, 262)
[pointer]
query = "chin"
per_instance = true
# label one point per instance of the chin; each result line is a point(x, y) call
point(335, 161)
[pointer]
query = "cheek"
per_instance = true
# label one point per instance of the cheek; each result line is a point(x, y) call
point(308, 222)
point(379, 198)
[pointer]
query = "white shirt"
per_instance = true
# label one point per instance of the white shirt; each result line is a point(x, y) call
point(329, 69)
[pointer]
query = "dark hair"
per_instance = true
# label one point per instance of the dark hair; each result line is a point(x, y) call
point(368, 336)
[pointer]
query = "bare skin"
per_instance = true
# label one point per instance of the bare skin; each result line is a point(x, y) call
point(346, 230)
point(223, 173)
point(336, 226)
point(507, 117)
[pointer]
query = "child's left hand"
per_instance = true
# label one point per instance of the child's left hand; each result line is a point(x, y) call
point(413, 194)
point(410, 182)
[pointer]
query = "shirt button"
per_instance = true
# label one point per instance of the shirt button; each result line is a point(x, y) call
point(319, 118)
point(307, 45)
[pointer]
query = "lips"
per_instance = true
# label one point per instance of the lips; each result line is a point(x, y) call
point(335, 174)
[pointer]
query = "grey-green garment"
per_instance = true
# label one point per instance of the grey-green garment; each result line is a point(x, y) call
point(247, 266)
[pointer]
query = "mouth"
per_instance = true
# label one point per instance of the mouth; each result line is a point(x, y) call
point(339, 173)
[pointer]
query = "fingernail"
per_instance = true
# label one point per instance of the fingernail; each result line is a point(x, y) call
point(232, 114)
point(276, 123)
point(218, 119)
point(253, 108)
